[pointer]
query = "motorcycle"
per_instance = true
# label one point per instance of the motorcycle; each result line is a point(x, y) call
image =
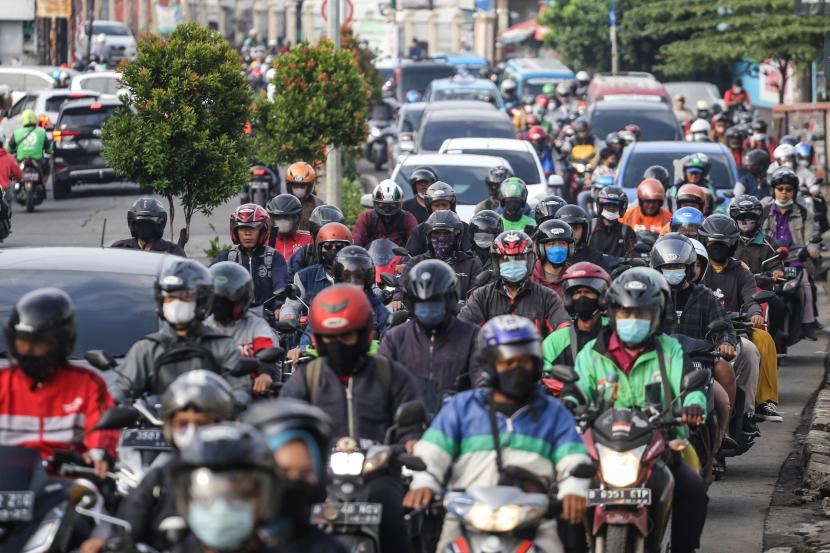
point(579, 169)
point(5, 215)
point(788, 288)
point(30, 190)
point(261, 187)
point(388, 258)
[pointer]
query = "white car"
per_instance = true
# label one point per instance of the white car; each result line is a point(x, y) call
point(24, 79)
point(45, 103)
point(104, 82)
point(120, 41)
point(520, 153)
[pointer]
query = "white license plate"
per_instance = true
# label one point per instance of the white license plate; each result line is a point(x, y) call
point(629, 496)
point(352, 514)
point(16, 506)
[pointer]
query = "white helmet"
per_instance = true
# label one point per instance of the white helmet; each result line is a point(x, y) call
point(508, 84)
point(556, 180)
point(699, 126)
point(702, 104)
point(387, 197)
point(783, 151)
point(101, 39)
point(583, 77)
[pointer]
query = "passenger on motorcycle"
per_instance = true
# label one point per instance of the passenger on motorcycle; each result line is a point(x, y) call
point(9, 172)
point(805, 153)
point(184, 296)
point(359, 392)
point(307, 255)
point(633, 348)
point(484, 227)
point(31, 142)
point(648, 214)
point(300, 177)
point(607, 166)
point(554, 244)
point(513, 205)
point(513, 292)
point(607, 233)
point(754, 180)
point(516, 411)
point(495, 176)
point(46, 402)
point(547, 207)
point(576, 217)
point(420, 180)
point(699, 130)
point(285, 211)
point(440, 196)
point(387, 219)
point(146, 220)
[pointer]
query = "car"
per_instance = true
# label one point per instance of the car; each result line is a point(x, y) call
point(655, 119)
point(406, 128)
point(625, 86)
point(532, 74)
point(386, 67)
point(77, 138)
point(694, 91)
point(104, 82)
point(470, 63)
point(416, 75)
point(447, 121)
point(638, 156)
point(25, 79)
point(464, 172)
point(112, 290)
point(45, 103)
point(519, 153)
point(464, 87)
point(119, 40)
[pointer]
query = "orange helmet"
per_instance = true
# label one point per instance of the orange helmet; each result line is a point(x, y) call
point(692, 193)
point(331, 238)
point(301, 175)
point(650, 189)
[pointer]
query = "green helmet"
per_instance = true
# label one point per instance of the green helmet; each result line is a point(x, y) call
point(513, 187)
point(28, 118)
point(694, 163)
point(549, 89)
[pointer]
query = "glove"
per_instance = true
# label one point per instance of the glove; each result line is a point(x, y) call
point(693, 415)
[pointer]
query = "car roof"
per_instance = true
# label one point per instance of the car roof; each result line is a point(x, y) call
point(462, 82)
point(459, 58)
point(511, 144)
point(89, 101)
point(97, 74)
point(629, 105)
point(678, 146)
point(469, 106)
point(48, 92)
point(410, 64)
point(538, 65)
point(91, 260)
point(461, 160)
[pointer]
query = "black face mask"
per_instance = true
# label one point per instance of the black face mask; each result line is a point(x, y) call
point(36, 368)
point(328, 257)
point(345, 359)
point(517, 383)
point(719, 252)
point(147, 231)
point(296, 498)
point(584, 307)
point(225, 311)
point(513, 208)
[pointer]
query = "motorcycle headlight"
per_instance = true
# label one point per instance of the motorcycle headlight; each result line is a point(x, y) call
point(343, 463)
point(485, 518)
point(376, 460)
point(375, 132)
point(580, 167)
point(620, 468)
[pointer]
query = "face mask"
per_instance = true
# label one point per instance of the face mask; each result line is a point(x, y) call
point(223, 525)
point(788, 203)
point(517, 383)
point(299, 191)
point(483, 239)
point(556, 255)
point(787, 163)
point(345, 359)
point(284, 226)
point(610, 215)
point(328, 257)
point(513, 271)
point(430, 313)
point(147, 231)
point(585, 307)
point(178, 312)
point(747, 226)
point(224, 311)
point(674, 276)
point(513, 208)
point(182, 437)
point(719, 252)
point(296, 498)
point(443, 246)
point(36, 368)
point(633, 331)
point(804, 163)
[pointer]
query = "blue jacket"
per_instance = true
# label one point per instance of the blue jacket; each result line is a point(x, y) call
point(381, 320)
point(299, 259)
point(267, 279)
point(753, 187)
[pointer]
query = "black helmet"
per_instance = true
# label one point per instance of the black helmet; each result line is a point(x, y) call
point(440, 190)
point(497, 175)
point(285, 206)
point(757, 159)
point(424, 174)
point(354, 265)
point(547, 208)
point(638, 288)
point(574, 215)
point(233, 291)
point(614, 195)
point(788, 139)
point(322, 215)
point(432, 279)
point(444, 220)
point(759, 126)
point(745, 206)
point(581, 125)
point(658, 172)
point(784, 175)
point(202, 390)
point(673, 248)
point(185, 275)
point(485, 226)
point(146, 219)
point(45, 314)
point(719, 227)
point(550, 230)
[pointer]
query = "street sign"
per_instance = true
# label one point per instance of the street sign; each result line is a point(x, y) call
point(612, 16)
point(812, 7)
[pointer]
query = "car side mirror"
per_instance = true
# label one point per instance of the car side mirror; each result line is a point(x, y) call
point(564, 373)
point(99, 359)
point(366, 201)
point(118, 417)
point(411, 413)
point(763, 296)
point(694, 380)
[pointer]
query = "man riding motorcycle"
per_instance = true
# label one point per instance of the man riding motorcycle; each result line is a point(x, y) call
point(553, 242)
point(495, 176)
point(547, 207)
point(440, 196)
point(484, 227)
point(146, 220)
point(387, 219)
point(285, 211)
point(307, 255)
point(300, 177)
point(513, 205)
point(649, 213)
point(606, 233)
point(577, 218)
point(420, 180)
point(31, 142)
point(754, 181)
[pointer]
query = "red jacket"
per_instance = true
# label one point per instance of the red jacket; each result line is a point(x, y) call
point(538, 276)
point(288, 245)
point(58, 414)
point(9, 169)
point(369, 226)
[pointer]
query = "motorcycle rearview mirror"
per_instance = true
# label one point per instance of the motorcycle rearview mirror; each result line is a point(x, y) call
point(584, 470)
point(246, 367)
point(399, 317)
point(82, 490)
point(398, 250)
point(366, 201)
point(654, 393)
point(564, 373)
point(388, 279)
point(270, 355)
point(763, 296)
point(99, 359)
point(412, 462)
point(287, 326)
point(411, 413)
point(118, 417)
point(694, 380)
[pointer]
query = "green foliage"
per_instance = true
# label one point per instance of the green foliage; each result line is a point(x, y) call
point(352, 192)
point(579, 32)
point(182, 130)
point(365, 59)
point(215, 247)
point(321, 98)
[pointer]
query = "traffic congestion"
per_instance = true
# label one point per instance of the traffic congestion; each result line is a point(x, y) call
point(555, 323)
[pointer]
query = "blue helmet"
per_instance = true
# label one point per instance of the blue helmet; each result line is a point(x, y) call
point(686, 219)
point(413, 96)
point(804, 150)
point(509, 336)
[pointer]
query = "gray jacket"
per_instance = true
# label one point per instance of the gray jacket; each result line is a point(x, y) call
point(803, 227)
point(137, 375)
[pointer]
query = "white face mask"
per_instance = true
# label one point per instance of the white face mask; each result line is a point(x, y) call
point(284, 225)
point(182, 437)
point(610, 215)
point(178, 312)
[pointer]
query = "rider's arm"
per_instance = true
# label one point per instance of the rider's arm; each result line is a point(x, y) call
point(230, 358)
point(279, 279)
point(96, 403)
point(812, 234)
point(291, 308)
point(567, 451)
point(439, 447)
point(472, 310)
point(555, 313)
point(133, 376)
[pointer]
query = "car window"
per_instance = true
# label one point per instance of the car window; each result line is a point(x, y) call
point(85, 118)
point(29, 103)
point(15, 81)
point(54, 103)
point(104, 85)
point(468, 182)
point(113, 310)
point(637, 163)
point(418, 78)
point(36, 82)
point(435, 133)
point(533, 86)
point(112, 30)
point(654, 125)
point(17, 109)
point(523, 164)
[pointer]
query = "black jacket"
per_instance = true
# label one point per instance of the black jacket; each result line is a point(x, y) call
point(420, 212)
point(701, 309)
point(152, 501)
point(159, 245)
point(734, 287)
point(268, 270)
point(417, 243)
point(617, 239)
point(589, 254)
point(465, 265)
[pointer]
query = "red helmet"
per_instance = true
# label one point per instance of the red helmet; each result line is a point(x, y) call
point(633, 129)
point(585, 275)
point(650, 189)
point(334, 232)
point(537, 134)
point(542, 101)
point(251, 216)
point(512, 244)
point(338, 309)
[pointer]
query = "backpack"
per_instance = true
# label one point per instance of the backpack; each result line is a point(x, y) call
point(267, 258)
point(314, 373)
point(176, 352)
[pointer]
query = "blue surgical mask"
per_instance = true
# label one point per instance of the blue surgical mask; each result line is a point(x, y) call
point(674, 276)
point(430, 313)
point(221, 524)
point(556, 255)
point(513, 271)
point(788, 203)
point(633, 331)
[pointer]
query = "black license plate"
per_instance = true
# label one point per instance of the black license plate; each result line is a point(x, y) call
point(144, 438)
point(630, 496)
point(352, 514)
point(16, 506)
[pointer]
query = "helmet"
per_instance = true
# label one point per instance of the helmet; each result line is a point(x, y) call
point(354, 265)
point(541, 100)
point(424, 174)
point(322, 215)
point(388, 198)
point(688, 218)
point(497, 175)
point(719, 227)
point(759, 126)
point(584, 275)
point(537, 134)
point(233, 291)
point(512, 244)
point(186, 276)
point(614, 138)
point(613, 195)
point(549, 89)
point(484, 227)
point(693, 164)
point(555, 180)
point(563, 89)
point(700, 126)
point(784, 175)
point(804, 150)
point(757, 159)
point(332, 238)
point(734, 137)
point(444, 220)
point(581, 125)
point(201, 390)
point(28, 118)
point(432, 279)
point(789, 140)
point(784, 151)
point(45, 314)
point(702, 257)
point(250, 216)
point(508, 86)
point(507, 336)
point(582, 77)
point(659, 173)
point(286, 209)
point(692, 193)
point(532, 120)
point(553, 230)
point(338, 309)
point(650, 189)
point(638, 288)
point(440, 190)
point(547, 208)
point(573, 215)
point(512, 187)
point(146, 219)
point(745, 206)
point(674, 248)
point(301, 174)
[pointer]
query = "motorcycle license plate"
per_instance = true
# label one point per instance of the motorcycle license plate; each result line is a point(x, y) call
point(631, 496)
point(352, 514)
point(16, 506)
point(144, 438)
point(30, 176)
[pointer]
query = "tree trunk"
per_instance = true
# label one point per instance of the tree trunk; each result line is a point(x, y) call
point(783, 68)
point(184, 234)
point(172, 207)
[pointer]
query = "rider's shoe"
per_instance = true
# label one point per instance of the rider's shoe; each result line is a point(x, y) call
point(808, 332)
point(766, 412)
point(750, 428)
point(728, 443)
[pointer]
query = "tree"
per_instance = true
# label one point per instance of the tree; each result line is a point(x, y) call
point(321, 98)
point(579, 33)
point(365, 59)
point(181, 131)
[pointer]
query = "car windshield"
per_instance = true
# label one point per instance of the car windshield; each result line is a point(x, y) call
point(720, 174)
point(85, 118)
point(464, 94)
point(54, 103)
point(113, 310)
point(654, 125)
point(418, 78)
point(112, 30)
point(468, 182)
point(534, 86)
point(104, 85)
point(434, 133)
point(523, 164)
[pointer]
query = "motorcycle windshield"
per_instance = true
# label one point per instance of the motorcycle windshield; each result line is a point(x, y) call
point(381, 252)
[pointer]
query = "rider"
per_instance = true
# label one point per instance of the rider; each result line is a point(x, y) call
point(146, 220)
point(691, 195)
point(699, 131)
point(440, 196)
point(607, 233)
point(495, 176)
point(47, 403)
point(307, 255)
point(484, 227)
point(31, 142)
point(249, 225)
point(419, 180)
point(539, 437)
point(633, 349)
point(513, 205)
point(754, 180)
point(508, 92)
point(547, 207)
point(736, 97)
point(184, 295)
point(659, 173)
point(387, 219)
point(9, 172)
point(513, 291)
point(649, 213)
point(804, 153)
point(576, 217)
point(554, 244)
point(735, 144)
point(300, 177)
point(686, 221)
point(285, 237)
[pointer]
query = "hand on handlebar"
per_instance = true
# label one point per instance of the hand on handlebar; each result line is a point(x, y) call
point(573, 508)
point(693, 415)
point(293, 354)
point(777, 273)
point(757, 321)
point(262, 384)
point(396, 306)
point(727, 351)
point(101, 467)
point(419, 498)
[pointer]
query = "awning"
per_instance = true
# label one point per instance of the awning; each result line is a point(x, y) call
point(524, 30)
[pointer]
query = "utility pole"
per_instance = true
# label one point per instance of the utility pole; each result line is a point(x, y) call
point(333, 189)
point(90, 17)
point(612, 31)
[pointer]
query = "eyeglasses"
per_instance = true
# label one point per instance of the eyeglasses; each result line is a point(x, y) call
point(784, 189)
